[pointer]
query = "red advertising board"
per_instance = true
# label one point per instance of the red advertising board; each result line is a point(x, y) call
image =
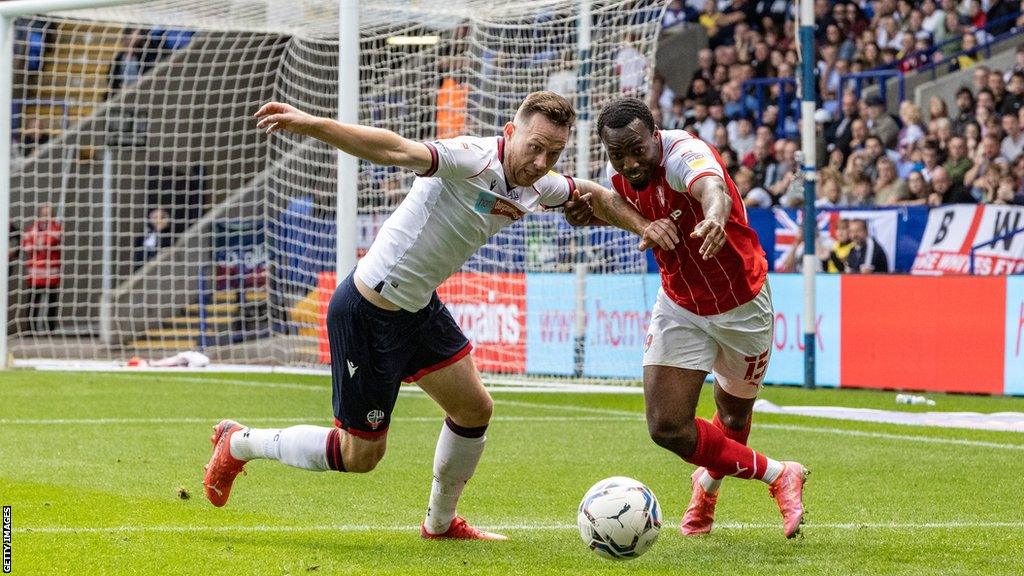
point(325, 289)
point(942, 334)
point(491, 310)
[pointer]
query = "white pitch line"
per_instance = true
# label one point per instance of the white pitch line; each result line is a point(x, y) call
point(629, 414)
point(499, 527)
point(887, 436)
point(794, 428)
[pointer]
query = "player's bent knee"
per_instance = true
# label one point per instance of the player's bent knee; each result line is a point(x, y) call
point(475, 414)
point(734, 421)
point(673, 435)
point(361, 456)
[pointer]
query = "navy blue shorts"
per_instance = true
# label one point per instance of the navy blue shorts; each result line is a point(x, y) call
point(374, 350)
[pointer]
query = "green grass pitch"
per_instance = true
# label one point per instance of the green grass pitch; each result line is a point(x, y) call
point(94, 465)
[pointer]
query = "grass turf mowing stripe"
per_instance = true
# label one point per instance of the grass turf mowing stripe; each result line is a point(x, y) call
point(510, 527)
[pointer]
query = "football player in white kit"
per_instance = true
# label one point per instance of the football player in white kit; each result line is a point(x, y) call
point(385, 322)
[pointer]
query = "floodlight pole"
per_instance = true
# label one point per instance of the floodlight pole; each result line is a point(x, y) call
point(809, 146)
point(348, 113)
point(8, 12)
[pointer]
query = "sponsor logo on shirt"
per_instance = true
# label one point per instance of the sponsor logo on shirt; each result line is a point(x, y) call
point(487, 204)
point(696, 160)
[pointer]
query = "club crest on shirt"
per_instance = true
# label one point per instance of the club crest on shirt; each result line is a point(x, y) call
point(487, 204)
point(374, 418)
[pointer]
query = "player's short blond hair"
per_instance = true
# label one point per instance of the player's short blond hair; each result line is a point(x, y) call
point(555, 108)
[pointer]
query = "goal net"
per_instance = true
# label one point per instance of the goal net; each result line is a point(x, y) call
point(150, 216)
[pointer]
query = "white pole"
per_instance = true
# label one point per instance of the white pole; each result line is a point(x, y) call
point(6, 87)
point(348, 112)
point(582, 171)
point(809, 146)
point(582, 92)
point(107, 266)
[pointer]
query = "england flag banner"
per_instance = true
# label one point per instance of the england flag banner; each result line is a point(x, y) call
point(882, 226)
point(953, 231)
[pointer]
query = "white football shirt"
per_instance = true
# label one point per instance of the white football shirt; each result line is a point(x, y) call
point(450, 212)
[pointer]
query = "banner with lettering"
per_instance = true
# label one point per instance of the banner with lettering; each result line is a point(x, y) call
point(953, 231)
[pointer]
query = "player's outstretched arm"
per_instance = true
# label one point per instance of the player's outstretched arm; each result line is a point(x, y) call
point(611, 208)
point(376, 145)
point(716, 203)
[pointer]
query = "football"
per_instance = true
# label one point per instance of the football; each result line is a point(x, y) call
point(619, 518)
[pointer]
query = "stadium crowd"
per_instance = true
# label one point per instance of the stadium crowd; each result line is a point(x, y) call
point(965, 151)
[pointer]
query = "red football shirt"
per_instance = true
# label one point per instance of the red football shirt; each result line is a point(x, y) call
point(705, 287)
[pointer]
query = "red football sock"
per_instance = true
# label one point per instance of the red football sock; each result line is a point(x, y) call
point(724, 456)
point(737, 435)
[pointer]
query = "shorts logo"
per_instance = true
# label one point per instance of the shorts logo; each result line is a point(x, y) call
point(647, 342)
point(374, 418)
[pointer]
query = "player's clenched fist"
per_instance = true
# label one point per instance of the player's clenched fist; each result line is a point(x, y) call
point(713, 233)
point(276, 116)
point(662, 233)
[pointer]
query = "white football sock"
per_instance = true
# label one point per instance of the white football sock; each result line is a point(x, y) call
point(455, 460)
point(772, 472)
point(299, 446)
point(710, 485)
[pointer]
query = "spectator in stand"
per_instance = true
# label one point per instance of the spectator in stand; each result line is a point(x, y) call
point(912, 130)
point(969, 49)
point(1005, 193)
point(937, 108)
point(997, 86)
point(866, 256)
point(945, 192)
point(835, 261)
point(986, 187)
point(934, 21)
point(860, 192)
point(998, 17)
point(699, 92)
point(979, 79)
point(33, 136)
point(41, 245)
point(917, 190)
point(986, 155)
point(889, 189)
point(840, 132)
point(705, 66)
point(675, 14)
point(702, 125)
point(129, 64)
point(957, 163)
point(741, 136)
point(1013, 143)
point(830, 192)
point(880, 123)
point(779, 174)
point(753, 196)
point(965, 110)
point(630, 67)
point(675, 118)
point(931, 158)
point(1013, 102)
point(156, 237)
point(758, 160)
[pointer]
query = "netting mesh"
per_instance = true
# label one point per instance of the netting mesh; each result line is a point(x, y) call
point(153, 216)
